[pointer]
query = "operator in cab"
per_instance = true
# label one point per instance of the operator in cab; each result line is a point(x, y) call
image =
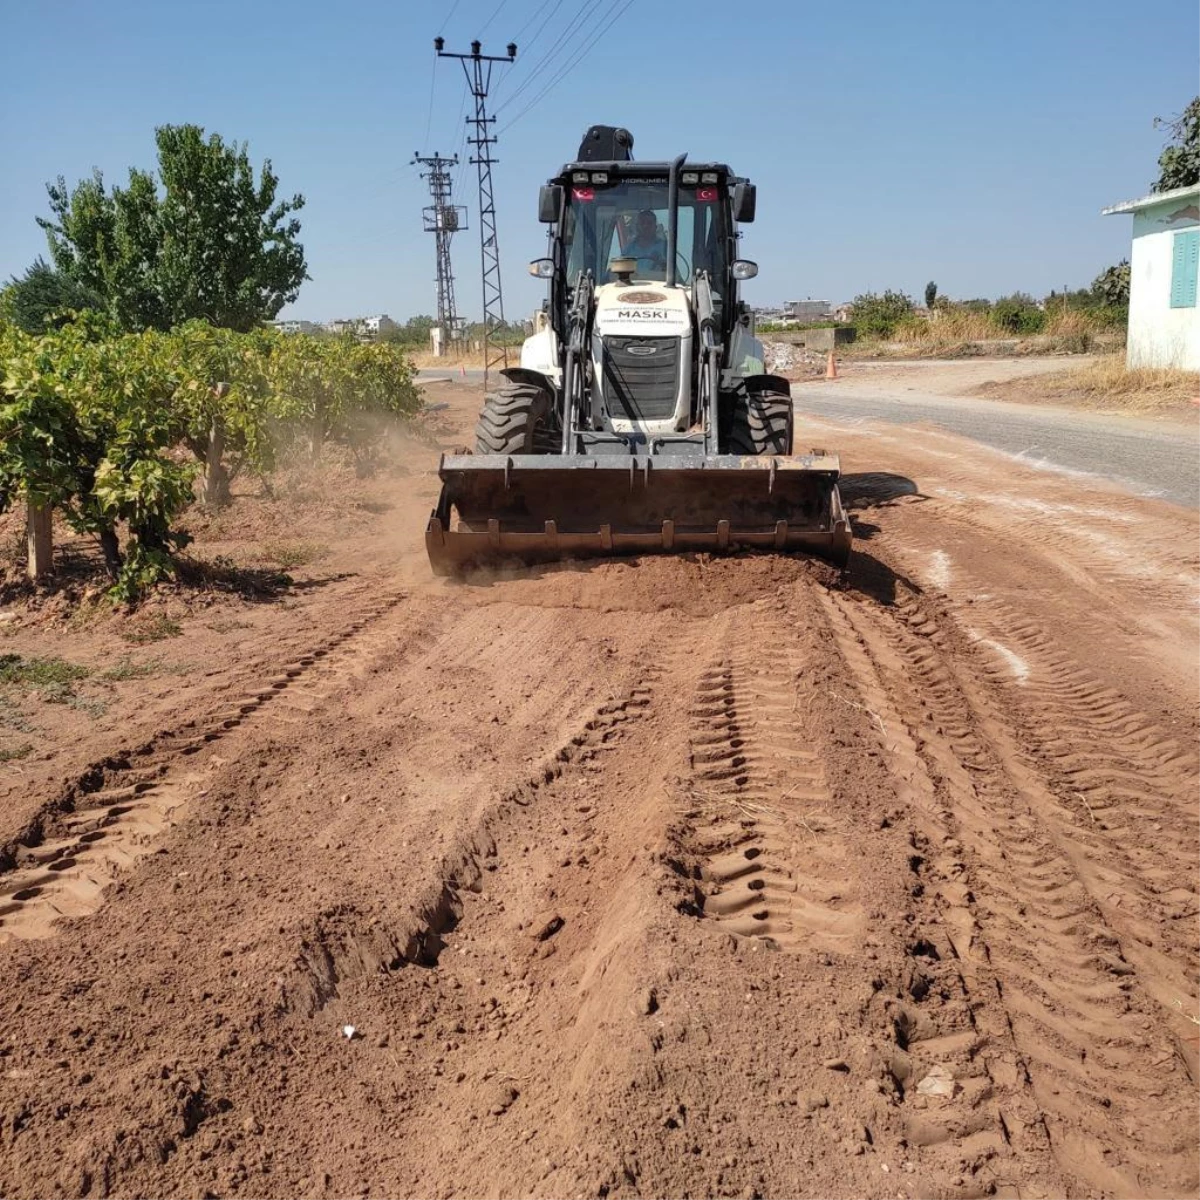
point(648, 246)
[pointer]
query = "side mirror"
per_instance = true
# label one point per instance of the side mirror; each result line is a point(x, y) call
point(743, 268)
point(550, 204)
point(542, 268)
point(745, 197)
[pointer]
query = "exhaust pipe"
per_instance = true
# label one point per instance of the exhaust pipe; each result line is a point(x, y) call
point(673, 218)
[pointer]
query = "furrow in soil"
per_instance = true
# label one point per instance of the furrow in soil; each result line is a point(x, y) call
point(1090, 1036)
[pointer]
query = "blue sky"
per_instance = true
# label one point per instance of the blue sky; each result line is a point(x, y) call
point(972, 144)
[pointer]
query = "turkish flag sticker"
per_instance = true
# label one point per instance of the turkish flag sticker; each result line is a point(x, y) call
point(584, 193)
point(706, 194)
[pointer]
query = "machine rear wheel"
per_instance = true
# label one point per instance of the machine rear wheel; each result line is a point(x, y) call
point(761, 424)
point(515, 420)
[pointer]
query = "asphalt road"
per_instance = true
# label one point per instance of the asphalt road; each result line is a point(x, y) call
point(1150, 457)
point(432, 375)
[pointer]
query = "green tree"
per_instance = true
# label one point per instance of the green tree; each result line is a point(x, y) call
point(212, 243)
point(1111, 286)
point(220, 398)
point(1179, 163)
point(43, 298)
point(930, 294)
point(878, 315)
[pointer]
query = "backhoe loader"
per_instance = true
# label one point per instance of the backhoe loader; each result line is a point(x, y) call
point(641, 418)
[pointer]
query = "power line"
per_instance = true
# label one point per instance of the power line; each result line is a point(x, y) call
point(526, 47)
point(496, 12)
point(560, 48)
point(446, 21)
point(556, 51)
point(536, 13)
point(562, 74)
point(429, 115)
point(460, 144)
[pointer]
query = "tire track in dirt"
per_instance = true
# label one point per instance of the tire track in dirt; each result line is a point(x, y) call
point(1116, 790)
point(115, 812)
point(1089, 1037)
point(615, 1011)
point(956, 1024)
point(331, 953)
point(755, 782)
point(1117, 787)
point(1114, 541)
point(565, 1022)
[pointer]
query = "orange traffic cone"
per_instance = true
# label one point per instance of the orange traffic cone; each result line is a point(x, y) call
point(831, 367)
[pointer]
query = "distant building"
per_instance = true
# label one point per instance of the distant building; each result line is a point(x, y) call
point(1163, 329)
point(805, 311)
point(844, 313)
point(775, 317)
point(372, 327)
point(366, 328)
point(295, 326)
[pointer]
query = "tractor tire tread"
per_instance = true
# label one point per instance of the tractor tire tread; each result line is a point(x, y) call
point(762, 424)
point(509, 418)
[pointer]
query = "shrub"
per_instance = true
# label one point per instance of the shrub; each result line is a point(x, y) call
point(878, 315)
point(1018, 314)
point(92, 421)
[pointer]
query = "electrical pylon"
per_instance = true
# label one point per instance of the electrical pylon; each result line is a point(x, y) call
point(443, 219)
point(478, 69)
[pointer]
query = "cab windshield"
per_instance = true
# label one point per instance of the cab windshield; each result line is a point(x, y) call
point(629, 220)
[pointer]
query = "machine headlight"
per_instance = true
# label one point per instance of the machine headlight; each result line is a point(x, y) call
point(542, 268)
point(743, 268)
point(689, 178)
point(709, 177)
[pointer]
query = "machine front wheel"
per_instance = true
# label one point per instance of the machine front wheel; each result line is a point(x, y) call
point(516, 419)
point(761, 423)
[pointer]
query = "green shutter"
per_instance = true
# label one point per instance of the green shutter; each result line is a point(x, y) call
point(1185, 255)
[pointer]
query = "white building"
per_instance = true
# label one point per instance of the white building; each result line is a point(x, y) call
point(1164, 329)
point(294, 326)
point(372, 327)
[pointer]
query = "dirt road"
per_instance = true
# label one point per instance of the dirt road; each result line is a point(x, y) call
point(682, 877)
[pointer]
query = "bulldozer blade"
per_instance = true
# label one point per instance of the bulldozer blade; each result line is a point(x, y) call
point(541, 507)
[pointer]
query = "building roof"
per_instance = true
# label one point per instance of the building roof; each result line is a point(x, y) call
point(1128, 206)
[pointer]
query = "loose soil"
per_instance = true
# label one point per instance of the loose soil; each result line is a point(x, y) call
point(671, 876)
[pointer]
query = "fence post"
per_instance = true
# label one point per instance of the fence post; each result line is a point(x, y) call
point(40, 541)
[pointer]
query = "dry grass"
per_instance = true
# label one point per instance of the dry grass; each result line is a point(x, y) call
point(1106, 382)
point(951, 326)
point(964, 325)
point(425, 360)
point(963, 333)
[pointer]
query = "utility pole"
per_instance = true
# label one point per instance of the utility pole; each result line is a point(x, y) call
point(477, 67)
point(443, 219)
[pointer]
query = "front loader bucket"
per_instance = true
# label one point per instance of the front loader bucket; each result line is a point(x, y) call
point(542, 507)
